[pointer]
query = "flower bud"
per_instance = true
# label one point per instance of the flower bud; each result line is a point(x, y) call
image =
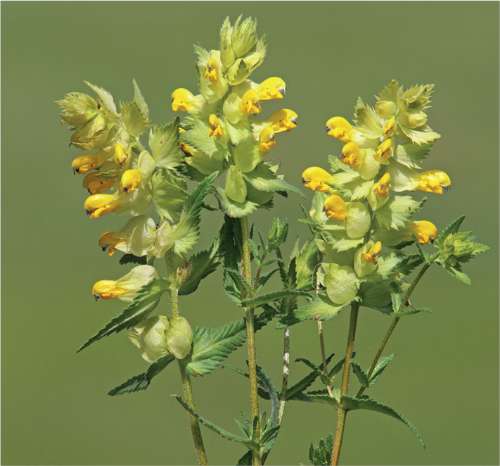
point(95, 183)
point(244, 36)
point(215, 125)
point(339, 128)
point(184, 101)
point(384, 151)
point(226, 49)
point(385, 108)
point(416, 119)
point(424, 231)
point(351, 155)
point(77, 109)
point(335, 208)
point(99, 204)
point(389, 127)
point(179, 337)
point(84, 163)
point(131, 180)
point(120, 154)
point(317, 179)
point(433, 181)
point(150, 336)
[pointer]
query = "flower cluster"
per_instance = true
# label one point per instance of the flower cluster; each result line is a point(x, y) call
point(222, 132)
point(358, 206)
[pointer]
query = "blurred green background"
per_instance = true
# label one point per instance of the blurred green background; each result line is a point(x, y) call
point(445, 375)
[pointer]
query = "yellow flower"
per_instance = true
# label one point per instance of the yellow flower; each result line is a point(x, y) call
point(339, 128)
point(389, 126)
point(351, 154)
point(183, 100)
point(107, 289)
point(120, 154)
point(250, 103)
point(382, 187)
point(372, 253)
point(271, 88)
point(215, 124)
point(335, 207)
point(84, 163)
point(131, 180)
point(283, 120)
point(424, 231)
point(266, 139)
point(96, 183)
point(317, 179)
point(433, 181)
point(99, 204)
point(211, 70)
point(109, 240)
point(384, 151)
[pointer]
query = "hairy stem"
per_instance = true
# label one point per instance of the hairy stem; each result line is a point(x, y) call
point(341, 412)
point(285, 372)
point(323, 354)
point(394, 324)
point(187, 393)
point(246, 266)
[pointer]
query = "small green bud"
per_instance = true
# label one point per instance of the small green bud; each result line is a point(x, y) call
point(358, 220)
point(150, 336)
point(179, 337)
point(93, 135)
point(415, 119)
point(385, 108)
point(77, 108)
point(277, 234)
point(226, 50)
point(244, 36)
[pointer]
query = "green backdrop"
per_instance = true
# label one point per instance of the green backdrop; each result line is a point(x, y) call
point(445, 375)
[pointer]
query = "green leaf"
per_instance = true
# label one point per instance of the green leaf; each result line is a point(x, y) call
point(459, 275)
point(142, 381)
point(215, 428)
point(235, 187)
point(319, 308)
point(360, 374)
point(411, 155)
point(146, 300)
point(169, 192)
point(235, 209)
point(164, 144)
point(271, 297)
point(140, 101)
point(201, 265)
point(264, 179)
point(453, 227)
point(306, 263)
point(380, 368)
point(135, 121)
point(321, 455)
point(104, 96)
point(246, 155)
point(421, 137)
point(352, 404)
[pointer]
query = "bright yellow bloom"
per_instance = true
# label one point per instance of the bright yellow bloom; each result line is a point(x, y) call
point(372, 254)
point(215, 124)
point(95, 183)
point(183, 100)
point(131, 180)
point(382, 187)
point(107, 289)
point(120, 154)
point(335, 207)
point(266, 139)
point(433, 181)
point(84, 163)
point(250, 103)
point(384, 151)
point(389, 126)
point(317, 179)
point(351, 154)
point(271, 88)
point(339, 128)
point(211, 70)
point(283, 120)
point(424, 231)
point(99, 204)
point(109, 240)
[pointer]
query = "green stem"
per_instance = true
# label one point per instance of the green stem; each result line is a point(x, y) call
point(246, 266)
point(341, 411)
point(394, 324)
point(187, 392)
point(285, 372)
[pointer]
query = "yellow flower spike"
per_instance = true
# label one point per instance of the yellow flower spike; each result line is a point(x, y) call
point(215, 124)
point(271, 88)
point(283, 120)
point(107, 289)
point(389, 126)
point(182, 100)
point(335, 207)
point(99, 204)
point(266, 139)
point(382, 187)
point(339, 128)
point(84, 163)
point(95, 183)
point(372, 254)
point(424, 231)
point(109, 240)
point(131, 180)
point(250, 103)
point(384, 151)
point(351, 155)
point(211, 70)
point(120, 154)
point(317, 179)
point(433, 181)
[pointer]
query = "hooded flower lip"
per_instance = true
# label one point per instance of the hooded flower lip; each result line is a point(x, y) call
point(130, 180)
point(271, 88)
point(335, 207)
point(389, 126)
point(109, 241)
point(95, 183)
point(211, 72)
point(250, 103)
point(317, 179)
point(183, 100)
point(87, 162)
point(266, 139)
point(339, 128)
point(384, 151)
point(215, 124)
point(433, 181)
point(372, 253)
point(97, 205)
point(424, 231)
point(283, 120)
point(351, 155)
point(126, 287)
